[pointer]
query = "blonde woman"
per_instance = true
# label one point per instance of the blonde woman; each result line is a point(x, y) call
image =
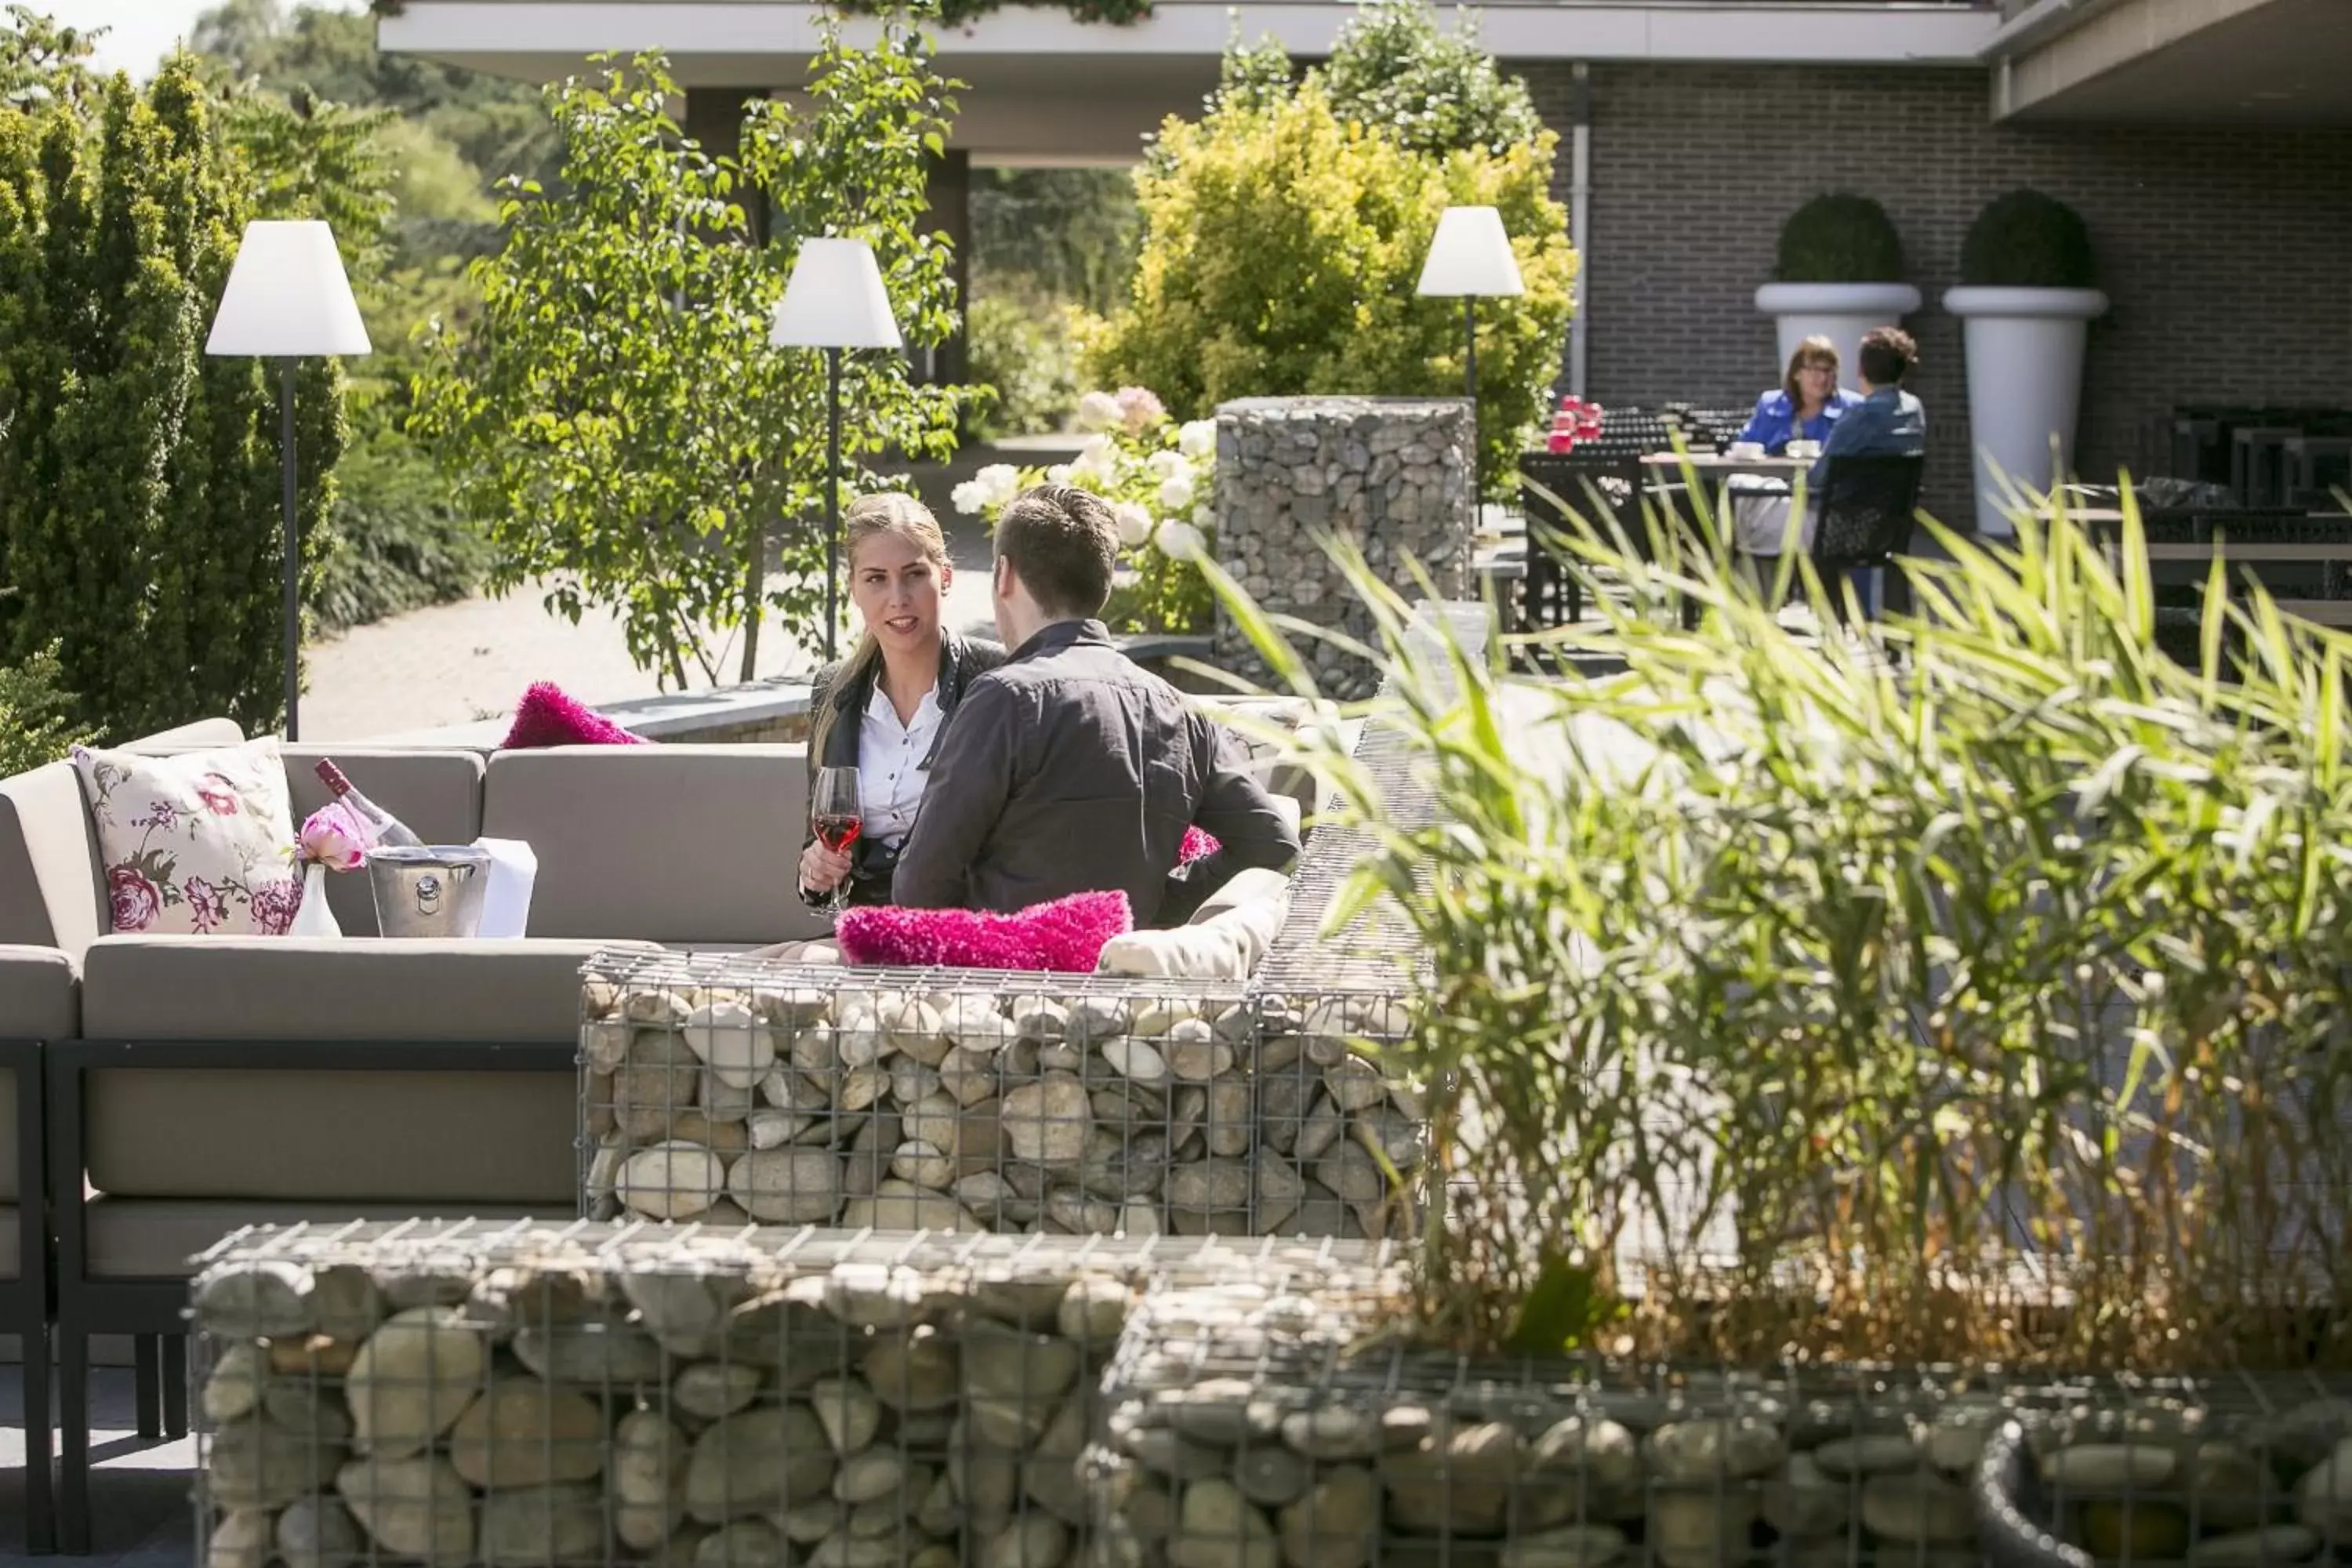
point(882, 710)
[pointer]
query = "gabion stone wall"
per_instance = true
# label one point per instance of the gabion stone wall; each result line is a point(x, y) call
point(1391, 474)
point(734, 1090)
point(599, 1394)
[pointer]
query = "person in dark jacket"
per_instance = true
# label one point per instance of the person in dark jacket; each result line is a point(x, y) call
point(884, 709)
point(1071, 769)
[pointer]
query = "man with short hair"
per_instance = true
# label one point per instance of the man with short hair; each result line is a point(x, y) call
point(1069, 769)
point(1889, 422)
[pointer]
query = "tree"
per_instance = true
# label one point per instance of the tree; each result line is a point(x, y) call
point(139, 479)
point(1282, 240)
point(617, 418)
point(1431, 92)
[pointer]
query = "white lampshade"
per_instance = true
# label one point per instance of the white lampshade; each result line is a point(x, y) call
point(1470, 255)
point(835, 300)
point(287, 296)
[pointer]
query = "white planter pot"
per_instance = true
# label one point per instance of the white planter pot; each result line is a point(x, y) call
point(2025, 380)
point(1840, 312)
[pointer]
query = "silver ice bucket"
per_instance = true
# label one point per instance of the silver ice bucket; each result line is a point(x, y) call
point(430, 890)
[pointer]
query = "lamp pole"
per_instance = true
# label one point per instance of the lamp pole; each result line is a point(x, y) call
point(291, 531)
point(831, 500)
point(1470, 373)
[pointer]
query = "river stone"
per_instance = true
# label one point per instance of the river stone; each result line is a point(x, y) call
point(1733, 1448)
point(649, 1479)
point(916, 1372)
point(757, 1461)
point(1320, 1129)
point(875, 1474)
point(913, 1029)
point(305, 1405)
point(967, 1075)
point(1052, 1475)
point(657, 1005)
point(746, 1543)
point(1922, 1508)
point(2323, 1498)
point(1351, 1174)
point(787, 1186)
point(1332, 1526)
point(724, 1103)
point(412, 1378)
point(262, 1299)
point(604, 1042)
point(1871, 1453)
point(1565, 1546)
point(1194, 1052)
point(902, 1206)
point(1804, 1500)
point(1461, 1482)
point(843, 1550)
point(317, 1532)
point(1271, 1474)
point(672, 1180)
point(1956, 1440)
point(344, 1302)
point(2302, 1434)
point(738, 1048)
point(2138, 1530)
point(1355, 1084)
point(661, 1078)
point(920, 1165)
point(1210, 1186)
point(415, 1506)
point(1333, 1432)
point(708, 1390)
point(1582, 1468)
point(2254, 1548)
point(1216, 1527)
point(986, 1480)
point(1094, 1309)
point(1045, 1122)
point(1136, 1060)
point(521, 1433)
point(971, 1021)
point(848, 1411)
point(1226, 1116)
point(1005, 1364)
point(603, 1349)
point(257, 1463)
point(232, 1387)
point(1694, 1527)
point(1034, 1540)
point(1390, 1134)
point(548, 1526)
point(2108, 1469)
point(1224, 1411)
point(1090, 1020)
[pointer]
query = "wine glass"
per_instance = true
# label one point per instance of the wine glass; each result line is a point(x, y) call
point(836, 818)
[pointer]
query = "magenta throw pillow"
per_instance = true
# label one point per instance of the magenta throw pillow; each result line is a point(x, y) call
point(1065, 936)
point(547, 717)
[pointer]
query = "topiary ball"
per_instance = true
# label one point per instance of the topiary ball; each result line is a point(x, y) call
point(2027, 240)
point(1839, 238)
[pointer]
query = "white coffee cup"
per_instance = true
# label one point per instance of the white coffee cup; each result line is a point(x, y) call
point(1747, 451)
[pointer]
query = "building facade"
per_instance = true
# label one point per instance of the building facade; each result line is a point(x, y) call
point(2206, 143)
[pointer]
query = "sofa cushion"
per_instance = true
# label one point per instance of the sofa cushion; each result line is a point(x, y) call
point(439, 794)
point(196, 842)
point(326, 989)
point(189, 737)
point(141, 1238)
point(1227, 946)
point(50, 883)
point(671, 844)
point(1064, 934)
point(461, 1138)
point(40, 995)
point(1250, 886)
point(11, 1225)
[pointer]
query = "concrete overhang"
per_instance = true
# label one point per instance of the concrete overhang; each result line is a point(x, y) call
point(2197, 62)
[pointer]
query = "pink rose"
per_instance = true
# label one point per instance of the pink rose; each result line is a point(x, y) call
point(218, 795)
point(335, 838)
point(134, 899)
point(207, 905)
point(273, 905)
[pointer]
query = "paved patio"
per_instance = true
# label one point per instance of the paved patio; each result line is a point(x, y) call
point(138, 1492)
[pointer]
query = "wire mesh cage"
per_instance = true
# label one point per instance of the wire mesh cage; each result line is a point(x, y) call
point(460, 1393)
point(735, 1090)
point(1273, 1428)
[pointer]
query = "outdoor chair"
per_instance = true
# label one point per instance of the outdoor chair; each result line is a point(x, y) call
point(1863, 516)
point(38, 1002)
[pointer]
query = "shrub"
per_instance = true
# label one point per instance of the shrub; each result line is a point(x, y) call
point(36, 726)
point(1839, 238)
point(1866, 1010)
point(2027, 240)
point(1392, 69)
point(399, 544)
point(1281, 248)
point(1027, 355)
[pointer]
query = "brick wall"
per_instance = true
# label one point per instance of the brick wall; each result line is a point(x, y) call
point(2226, 251)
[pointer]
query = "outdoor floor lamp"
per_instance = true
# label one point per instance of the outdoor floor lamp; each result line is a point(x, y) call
point(288, 297)
point(835, 301)
point(1471, 257)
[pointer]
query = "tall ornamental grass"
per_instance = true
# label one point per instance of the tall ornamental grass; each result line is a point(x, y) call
point(1975, 989)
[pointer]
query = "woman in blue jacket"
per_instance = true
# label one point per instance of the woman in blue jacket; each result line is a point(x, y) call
point(1803, 407)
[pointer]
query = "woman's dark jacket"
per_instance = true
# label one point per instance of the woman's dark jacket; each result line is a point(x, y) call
point(962, 660)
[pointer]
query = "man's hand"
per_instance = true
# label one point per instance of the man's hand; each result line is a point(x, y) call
point(823, 869)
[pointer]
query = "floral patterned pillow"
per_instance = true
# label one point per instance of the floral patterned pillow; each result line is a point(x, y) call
point(198, 843)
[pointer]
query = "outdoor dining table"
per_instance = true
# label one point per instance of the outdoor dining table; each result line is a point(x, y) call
point(1722, 464)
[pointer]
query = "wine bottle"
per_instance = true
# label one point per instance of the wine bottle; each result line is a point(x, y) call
point(386, 827)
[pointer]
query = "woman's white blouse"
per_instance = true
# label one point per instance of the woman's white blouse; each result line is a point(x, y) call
point(891, 764)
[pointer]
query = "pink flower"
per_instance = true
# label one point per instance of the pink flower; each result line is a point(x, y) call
point(218, 795)
point(207, 905)
point(134, 899)
point(335, 838)
point(1140, 408)
point(160, 814)
point(273, 905)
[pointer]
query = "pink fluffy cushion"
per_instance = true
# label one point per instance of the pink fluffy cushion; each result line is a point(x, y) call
point(1197, 845)
point(1066, 936)
point(546, 717)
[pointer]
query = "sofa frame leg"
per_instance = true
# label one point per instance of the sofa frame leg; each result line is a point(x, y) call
point(73, 1431)
point(176, 1385)
point(147, 1385)
point(40, 1458)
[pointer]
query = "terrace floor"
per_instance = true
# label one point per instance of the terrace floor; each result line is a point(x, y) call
point(138, 1489)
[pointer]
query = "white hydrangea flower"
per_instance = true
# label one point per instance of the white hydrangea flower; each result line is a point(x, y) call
point(1181, 540)
point(970, 498)
point(1134, 523)
point(1176, 492)
point(1203, 518)
point(1099, 411)
point(1000, 482)
point(1095, 461)
point(1059, 474)
point(1198, 439)
point(1165, 465)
